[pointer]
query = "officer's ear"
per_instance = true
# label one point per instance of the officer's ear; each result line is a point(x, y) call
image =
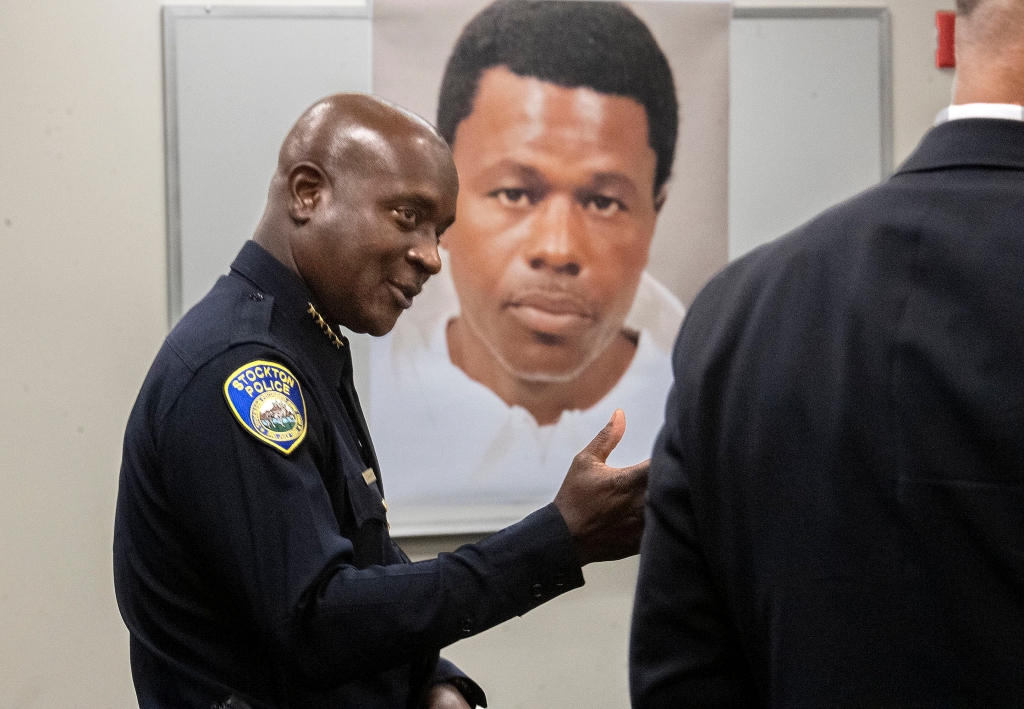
point(307, 188)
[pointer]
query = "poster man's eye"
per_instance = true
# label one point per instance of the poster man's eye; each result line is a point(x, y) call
point(603, 206)
point(512, 197)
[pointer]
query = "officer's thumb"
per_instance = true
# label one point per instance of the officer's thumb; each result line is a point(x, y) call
point(607, 438)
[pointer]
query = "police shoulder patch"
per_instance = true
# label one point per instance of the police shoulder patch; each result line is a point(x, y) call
point(267, 400)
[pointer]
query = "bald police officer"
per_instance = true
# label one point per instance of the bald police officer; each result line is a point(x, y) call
point(253, 564)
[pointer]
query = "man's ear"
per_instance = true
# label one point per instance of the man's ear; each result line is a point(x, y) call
point(307, 188)
point(660, 197)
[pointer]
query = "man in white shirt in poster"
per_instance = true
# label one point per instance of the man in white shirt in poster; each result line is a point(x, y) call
point(563, 119)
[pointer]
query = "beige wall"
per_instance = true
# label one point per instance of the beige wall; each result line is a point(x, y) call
point(82, 313)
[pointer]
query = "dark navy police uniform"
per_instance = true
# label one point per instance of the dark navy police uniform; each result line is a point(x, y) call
point(251, 550)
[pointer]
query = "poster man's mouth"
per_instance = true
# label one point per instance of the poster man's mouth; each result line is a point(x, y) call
point(551, 313)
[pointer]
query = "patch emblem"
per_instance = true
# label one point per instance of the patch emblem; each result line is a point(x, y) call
point(267, 400)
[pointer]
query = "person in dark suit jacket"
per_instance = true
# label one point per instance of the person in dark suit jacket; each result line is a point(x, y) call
point(836, 504)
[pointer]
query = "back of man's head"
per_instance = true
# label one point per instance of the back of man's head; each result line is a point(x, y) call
point(598, 45)
point(991, 22)
point(965, 8)
point(990, 51)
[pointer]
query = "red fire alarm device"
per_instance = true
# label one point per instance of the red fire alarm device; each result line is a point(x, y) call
point(945, 55)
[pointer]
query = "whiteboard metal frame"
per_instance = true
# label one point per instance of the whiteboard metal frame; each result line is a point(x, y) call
point(171, 15)
point(884, 17)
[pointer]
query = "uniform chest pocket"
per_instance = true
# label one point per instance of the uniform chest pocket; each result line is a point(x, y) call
point(365, 500)
point(360, 482)
point(368, 516)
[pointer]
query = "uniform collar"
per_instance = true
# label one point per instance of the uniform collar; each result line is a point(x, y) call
point(271, 276)
point(977, 142)
point(291, 297)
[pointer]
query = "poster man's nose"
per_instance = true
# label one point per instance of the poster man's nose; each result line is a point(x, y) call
point(557, 234)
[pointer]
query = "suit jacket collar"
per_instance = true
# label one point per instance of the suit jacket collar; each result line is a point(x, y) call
point(969, 142)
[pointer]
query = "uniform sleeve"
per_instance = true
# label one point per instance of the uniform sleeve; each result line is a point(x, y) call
point(263, 524)
point(684, 651)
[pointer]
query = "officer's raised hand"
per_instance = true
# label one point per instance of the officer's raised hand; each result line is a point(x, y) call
point(603, 506)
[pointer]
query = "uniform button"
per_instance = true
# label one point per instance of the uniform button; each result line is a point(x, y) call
point(256, 296)
point(560, 581)
point(538, 590)
point(467, 626)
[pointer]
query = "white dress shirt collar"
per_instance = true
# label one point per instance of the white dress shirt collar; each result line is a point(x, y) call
point(1008, 111)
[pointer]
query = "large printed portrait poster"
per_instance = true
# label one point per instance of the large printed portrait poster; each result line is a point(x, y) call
point(591, 144)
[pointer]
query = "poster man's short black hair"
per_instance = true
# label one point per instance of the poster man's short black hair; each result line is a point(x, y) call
point(598, 45)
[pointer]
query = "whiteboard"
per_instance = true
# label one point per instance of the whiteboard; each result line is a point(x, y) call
point(810, 118)
point(221, 64)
